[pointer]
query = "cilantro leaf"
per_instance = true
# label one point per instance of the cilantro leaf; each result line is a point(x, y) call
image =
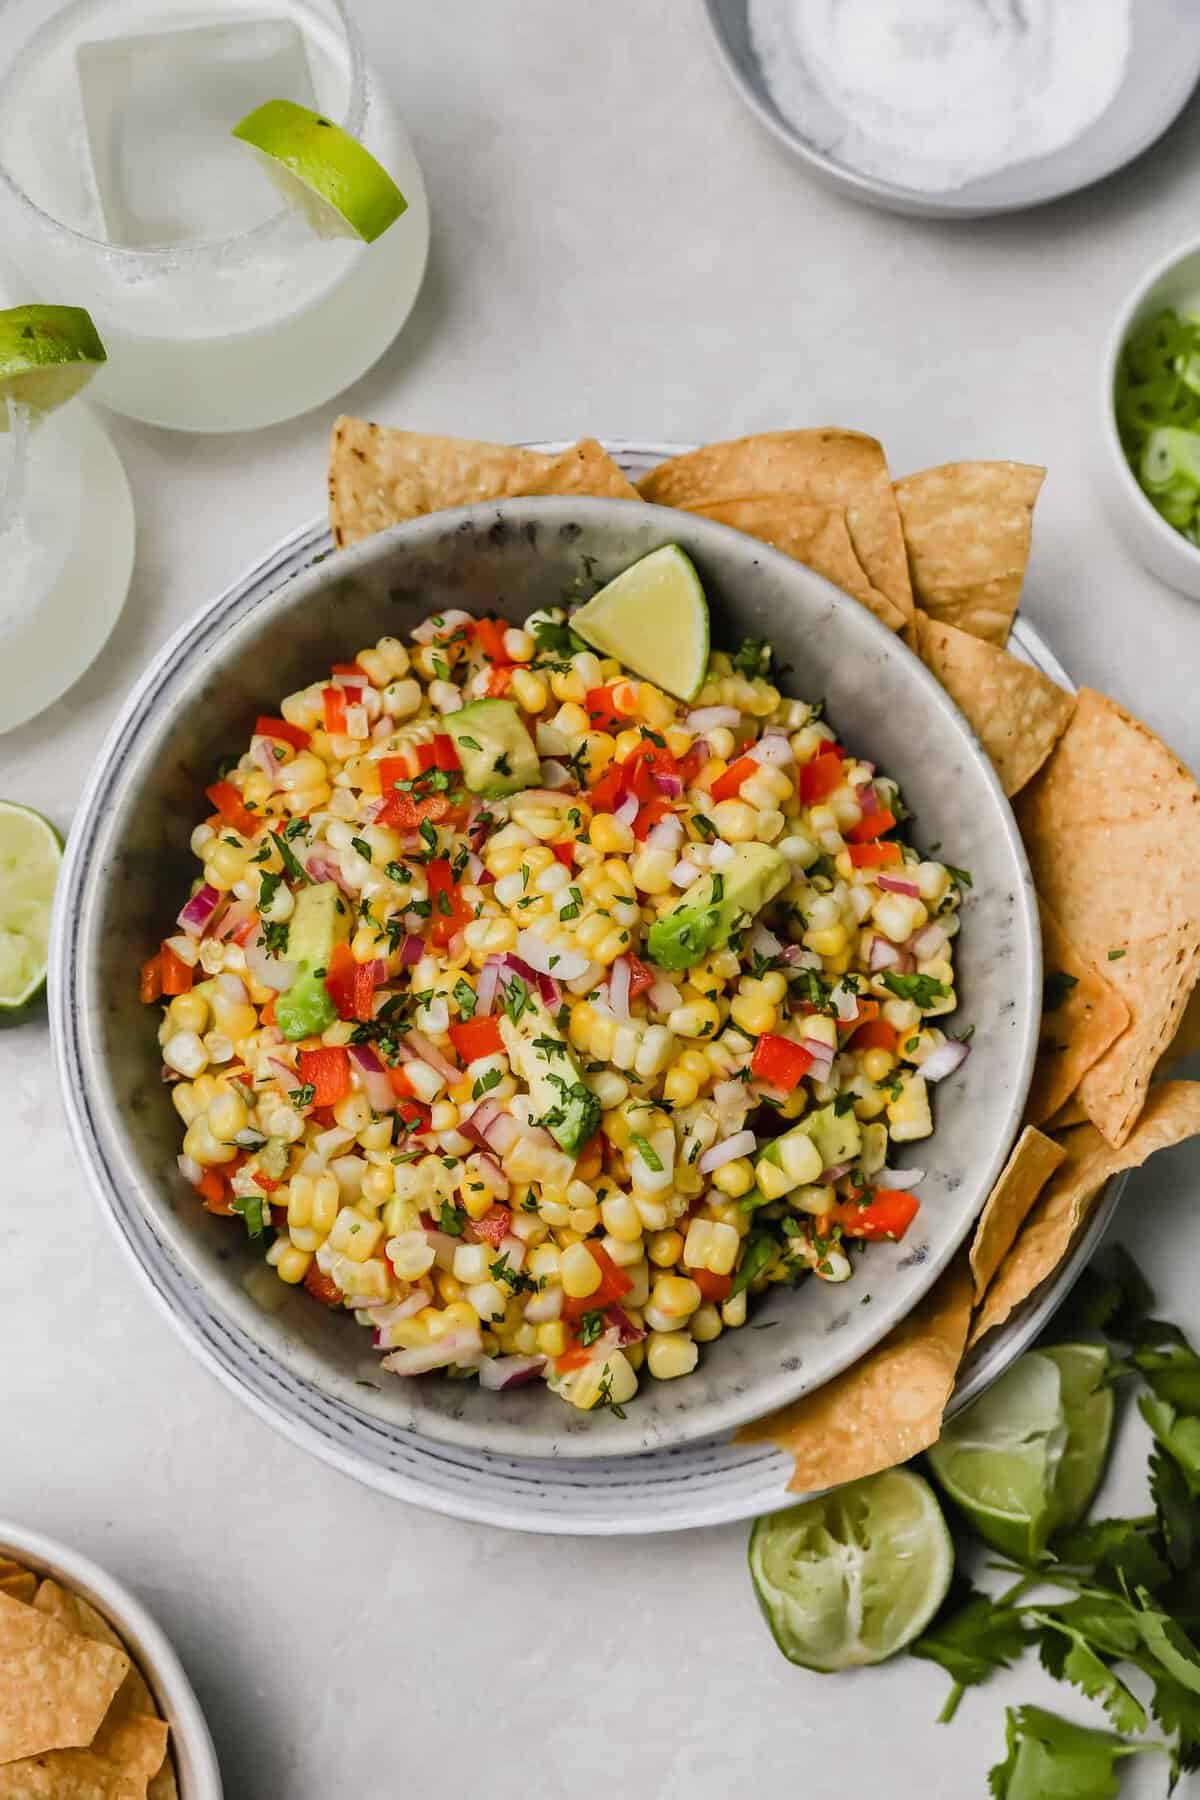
point(1068, 1656)
point(922, 990)
point(465, 995)
point(758, 1253)
point(972, 1638)
point(1176, 1509)
point(1053, 1759)
point(1179, 1436)
point(753, 657)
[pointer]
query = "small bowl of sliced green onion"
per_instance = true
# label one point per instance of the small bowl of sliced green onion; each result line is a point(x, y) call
point(1152, 420)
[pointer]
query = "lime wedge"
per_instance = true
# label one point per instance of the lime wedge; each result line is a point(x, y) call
point(30, 854)
point(653, 618)
point(855, 1575)
point(324, 171)
point(47, 353)
point(1088, 1406)
point(1027, 1456)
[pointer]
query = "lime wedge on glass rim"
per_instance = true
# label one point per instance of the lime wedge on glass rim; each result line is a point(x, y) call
point(653, 617)
point(853, 1576)
point(47, 353)
point(1026, 1458)
point(323, 171)
point(30, 856)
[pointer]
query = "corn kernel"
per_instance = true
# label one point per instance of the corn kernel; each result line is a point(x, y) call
point(580, 1273)
point(734, 1178)
point(670, 1354)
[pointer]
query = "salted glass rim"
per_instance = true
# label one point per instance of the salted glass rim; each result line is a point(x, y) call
point(155, 256)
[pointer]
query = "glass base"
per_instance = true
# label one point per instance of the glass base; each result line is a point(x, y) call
point(46, 652)
point(263, 377)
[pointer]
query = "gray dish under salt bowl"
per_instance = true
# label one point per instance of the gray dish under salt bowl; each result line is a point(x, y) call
point(128, 865)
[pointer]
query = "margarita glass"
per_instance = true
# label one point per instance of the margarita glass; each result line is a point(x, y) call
point(122, 187)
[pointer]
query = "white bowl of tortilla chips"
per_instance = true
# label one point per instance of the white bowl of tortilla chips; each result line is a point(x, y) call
point(93, 1700)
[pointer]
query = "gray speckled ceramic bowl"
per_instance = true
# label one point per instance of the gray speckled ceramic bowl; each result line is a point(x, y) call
point(128, 861)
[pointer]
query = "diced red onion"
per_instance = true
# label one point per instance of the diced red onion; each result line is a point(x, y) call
point(263, 752)
point(497, 1180)
point(845, 1003)
point(764, 942)
point(619, 978)
point(473, 869)
point(382, 727)
point(822, 1055)
point(731, 1100)
point(797, 957)
point(381, 1096)
point(440, 626)
point(620, 1322)
point(196, 916)
point(665, 835)
point(442, 1245)
point(500, 1372)
point(462, 1346)
point(412, 949)
point(627, 812)
point(884, 954)
point(664, 995)
point(720, 854)
point(945, 1059)
point(713, 718)
point(544, 1308)
point(897, 1178)
point(419, 1044)
point(929, 942)
point(897, 884)
point(834, 1172)
point(323, 868)
point(282, 1072)
point(867, 798)
point(773, 752)
point(272, 971)
point(491, 1127)
point(556, 775)
point(190, 1169)
point(232, 917)
point(485, 987)
point(740, 1144)
point(546, 985)
point(667, 784)
point(684, 873)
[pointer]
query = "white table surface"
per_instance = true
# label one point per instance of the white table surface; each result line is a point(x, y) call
point(618, 249)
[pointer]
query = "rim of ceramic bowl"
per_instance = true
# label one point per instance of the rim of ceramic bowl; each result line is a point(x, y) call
point(1135, 301)
point(191, 1742)
point(76, 1053)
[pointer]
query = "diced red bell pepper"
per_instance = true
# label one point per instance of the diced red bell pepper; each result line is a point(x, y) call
point(327, 1070)
point(364, 991)
point(888, 1213)
point(473, 1038)
point(339, 980)
point(598, 704)
point(354, 670)
point(715, 1288)
point(322, 1287)
point(400, 1083)
point(641, 765)
point(494, 1225)
point(867, 1011)
point(574, 1357)
point(265, 1182)
point(872, 825)
point(875, 1034)
point(489, 635)
point(333, 699)
point(614, 1283)
point(640, 977)
point(729, 784)
point(279, 728)
point(875, 856)
point(232, 808)
point(246, 929)
point(609, 791)
point(779, 1062)
point(565, 854)
point(650, 815)
point(213, 1189)
point(449, 911)
point(821, 776)
point(499, 680)
point(414, 1115)
point(693, 762)
point(177, 976)
point(150, 984)
point(267, 1015)
point(406, 812)
point(445, 753)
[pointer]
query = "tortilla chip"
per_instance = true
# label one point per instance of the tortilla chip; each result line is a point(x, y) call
point(164, 1786)
point(1017, 713)
point(1112, 829)
point(1073, 1113)
point(137, 1745)
point(9, 1567)
point(1172, 1114)
point(55, 1687)
point(817, 536)
point(887, 1406)
point(77, 1614)
point(842, 470)
point(21, 1586)
point(379, 477)
point(1186, 1041)
point(1092, 1016)
point(68, 1775)
point(967, 527)
point(1024, 1175)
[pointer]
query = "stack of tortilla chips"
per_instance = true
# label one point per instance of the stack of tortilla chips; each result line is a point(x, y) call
point(1109, 816)
point(77, 1721)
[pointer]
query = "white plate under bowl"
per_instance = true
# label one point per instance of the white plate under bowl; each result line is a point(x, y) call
point(191, 1745)
point(700, 1483)
point(1163, 67)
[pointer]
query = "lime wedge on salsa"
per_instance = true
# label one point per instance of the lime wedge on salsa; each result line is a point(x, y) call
point(47, 353)
point(853, 1576)
point(320, 169)
point(30, 856)
point(653, 617)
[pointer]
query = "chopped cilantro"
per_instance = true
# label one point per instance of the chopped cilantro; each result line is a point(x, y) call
point(647, 1152)
point(464, 994)
point(1055, 989)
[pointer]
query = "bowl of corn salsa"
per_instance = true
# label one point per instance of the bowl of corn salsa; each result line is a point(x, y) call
point(525, 1052)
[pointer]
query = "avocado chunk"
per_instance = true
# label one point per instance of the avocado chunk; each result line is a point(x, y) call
point(497, 754)
point(836, 1138)
point(320, 921)
point(542, 1057)
point(717, 905)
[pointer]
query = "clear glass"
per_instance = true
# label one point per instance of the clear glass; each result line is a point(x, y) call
point(66, 552)
point(204, 332)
